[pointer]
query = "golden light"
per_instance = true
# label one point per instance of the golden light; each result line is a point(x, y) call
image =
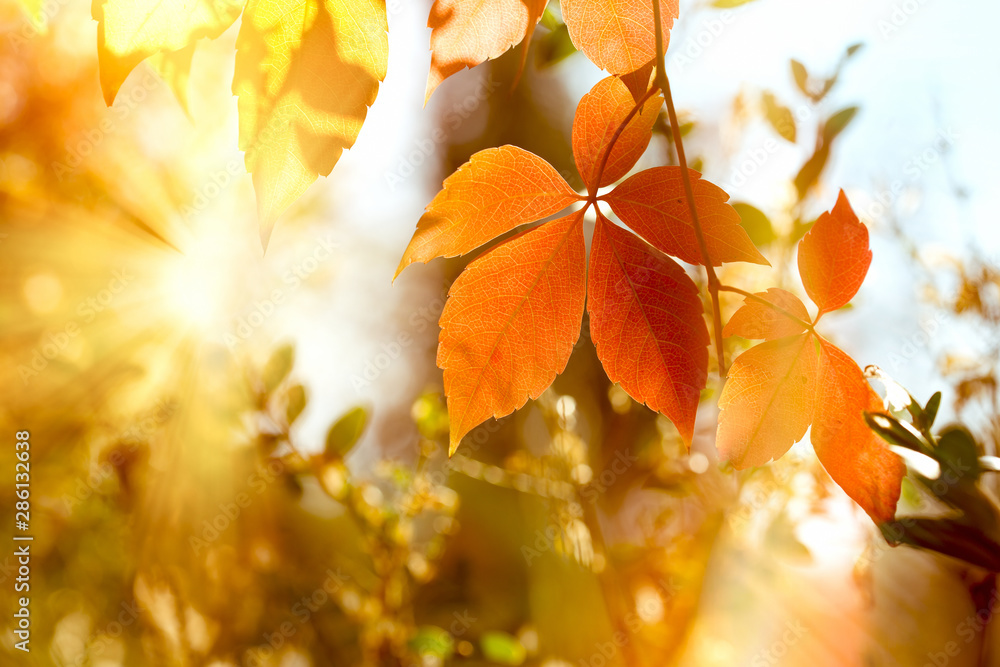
point(198, 283)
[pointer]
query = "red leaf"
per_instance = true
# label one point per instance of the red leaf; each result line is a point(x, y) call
point(511, 321)
point(497, 190)
point(857, 460)
point(617, 35)
point(598, 116)
point(646, 321)
point(653, 203)
point(756, 320)
point(834, 257)
point(768, 401)
point(465, 33)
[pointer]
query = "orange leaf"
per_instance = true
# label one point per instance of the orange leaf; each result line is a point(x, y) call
point(465, 33)
point(646, 321)
point(494, 192)
point(834, 257)
point(756, 320)
point(654, 205)
point(511, 321)
point(768, 401)
point(617, 35)
point(598, 116)
point(857, 460)
point(638, 81)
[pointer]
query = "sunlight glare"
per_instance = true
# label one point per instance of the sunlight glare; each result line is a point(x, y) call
point(198, 283)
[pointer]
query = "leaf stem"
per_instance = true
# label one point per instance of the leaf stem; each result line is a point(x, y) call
point(773, 306)
point(663, 83)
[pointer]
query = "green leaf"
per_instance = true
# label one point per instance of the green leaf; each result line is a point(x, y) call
point(931, 410)
point(295, 403)
point(812, 170)
point(434, 641)
point(502, 648)
point(894, 432)
point(431, 415)
point(958, 452)
point(946, 536)
point(345, 433)
point(757, 225)
point(554, 46)
point(278, 367)
point(779, 116)
point(837, 123)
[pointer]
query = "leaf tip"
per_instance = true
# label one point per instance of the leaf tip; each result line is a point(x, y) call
point(266, 227)
point(404, 262)
point(433, 81)
point(760, 259)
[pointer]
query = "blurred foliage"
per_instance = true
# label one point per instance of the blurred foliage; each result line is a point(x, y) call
point(949, 465)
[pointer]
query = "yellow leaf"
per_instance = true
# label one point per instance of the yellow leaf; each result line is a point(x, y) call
point(306, 73)
point(175, 69)
point(129, 31)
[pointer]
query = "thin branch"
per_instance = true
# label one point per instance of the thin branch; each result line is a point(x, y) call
point(773, 306)
point(713, 281)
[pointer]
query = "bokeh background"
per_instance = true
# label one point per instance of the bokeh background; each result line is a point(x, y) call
point(191, 504)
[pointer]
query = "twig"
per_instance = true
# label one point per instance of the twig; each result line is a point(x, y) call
point(713, 281)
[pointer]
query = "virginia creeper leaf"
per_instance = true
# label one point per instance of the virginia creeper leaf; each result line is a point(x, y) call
point(834, 257)
point(598, 116)
point(306, 73)
point(175, 69)
point(494, 192)
point(756, 320)
point(617, 35)
point(465, 33)
point(646, 321)
point(768, 400)
point(510, 323)
point(856, 458)
point(128, 32)
point(637, 82)
point(653, 204)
